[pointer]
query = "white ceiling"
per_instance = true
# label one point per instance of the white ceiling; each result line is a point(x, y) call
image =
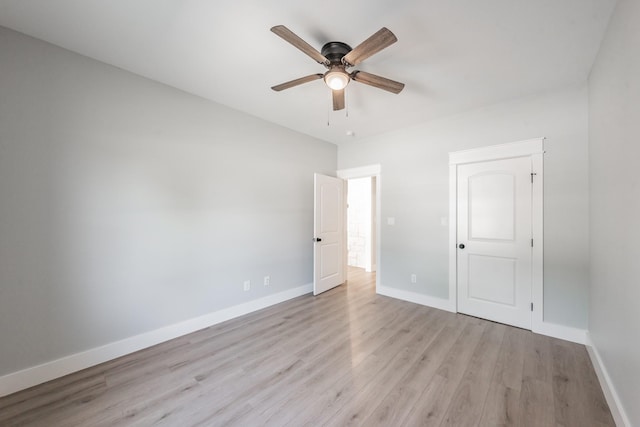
point(453, 55)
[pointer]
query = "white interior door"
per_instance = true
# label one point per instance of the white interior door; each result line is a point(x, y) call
point(329, 244)
point(494, 240)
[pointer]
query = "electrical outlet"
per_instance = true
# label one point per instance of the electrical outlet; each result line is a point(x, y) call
point(267, 280)
point(414, 278)
point(247, 285)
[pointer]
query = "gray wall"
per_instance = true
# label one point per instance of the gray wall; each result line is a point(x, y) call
point(415, 190)
point(614, 152)
point(126, 205)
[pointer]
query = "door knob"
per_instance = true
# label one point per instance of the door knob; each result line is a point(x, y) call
point(317, 239)
point(461, 245)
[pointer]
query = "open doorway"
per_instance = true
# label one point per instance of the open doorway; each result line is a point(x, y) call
point(362, 251)
point(361, 223)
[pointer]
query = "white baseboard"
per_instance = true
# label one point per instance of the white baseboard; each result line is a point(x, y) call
point(610, 393)
point(562, 332)
point(566, 333)
point(414, 297)
point(35, 375)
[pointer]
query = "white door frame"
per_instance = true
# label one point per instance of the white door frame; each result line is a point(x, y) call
point(533, 148)
point(364, 172)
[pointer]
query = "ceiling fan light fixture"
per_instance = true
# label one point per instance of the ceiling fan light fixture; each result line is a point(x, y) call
point(337, 57)
point(337, 79)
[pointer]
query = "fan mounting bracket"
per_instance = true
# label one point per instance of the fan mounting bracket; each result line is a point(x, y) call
point(334, 52)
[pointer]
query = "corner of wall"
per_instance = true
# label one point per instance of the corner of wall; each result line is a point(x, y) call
point(609, 390)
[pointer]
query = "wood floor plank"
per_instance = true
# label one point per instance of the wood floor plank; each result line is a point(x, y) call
point(536, 403)
point(334, 352)
point(45, 412)
point(539, 361)
point(47, 394)
point(404, 395)
point(436, 396)
point(468, 401)
point(343, 390)
point(232, 407)
point(502, 405)
point(536, 392)
point(339, 357)
point(422, 332)
point(592, 400)
point(568, 411)
point(345, 357)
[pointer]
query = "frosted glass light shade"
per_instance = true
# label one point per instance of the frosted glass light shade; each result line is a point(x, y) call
point(336, 80)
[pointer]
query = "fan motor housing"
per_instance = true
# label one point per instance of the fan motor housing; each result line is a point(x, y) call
point(334, 51)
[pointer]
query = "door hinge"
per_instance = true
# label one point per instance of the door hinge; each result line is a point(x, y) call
point(531, 242)
point(531, 306)
point(532, 174)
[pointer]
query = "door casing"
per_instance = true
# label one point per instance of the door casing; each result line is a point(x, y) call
point(362, 172)
point(533, 148)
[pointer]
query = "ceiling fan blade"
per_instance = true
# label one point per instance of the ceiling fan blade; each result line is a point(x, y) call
point(305, 47)
point(377, 81)
point(374, 44)
point(338, 99)
point(296, 82)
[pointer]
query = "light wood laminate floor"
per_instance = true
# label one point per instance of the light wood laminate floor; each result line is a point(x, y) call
point(346, 357)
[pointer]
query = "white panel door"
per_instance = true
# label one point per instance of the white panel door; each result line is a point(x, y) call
point(494, 240)
point(328, 249)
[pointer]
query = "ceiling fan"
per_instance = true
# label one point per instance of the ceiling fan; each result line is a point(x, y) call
point(337, 57)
